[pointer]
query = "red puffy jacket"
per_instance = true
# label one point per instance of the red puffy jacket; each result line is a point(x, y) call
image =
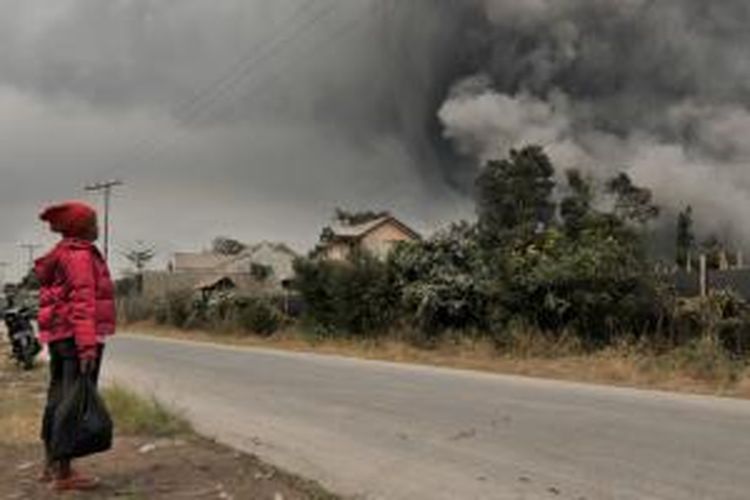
point(76, 298)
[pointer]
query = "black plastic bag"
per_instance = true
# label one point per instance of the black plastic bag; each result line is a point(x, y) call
point(81, 424)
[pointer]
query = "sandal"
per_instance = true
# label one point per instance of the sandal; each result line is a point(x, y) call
point(47, 475)
point(75, 482)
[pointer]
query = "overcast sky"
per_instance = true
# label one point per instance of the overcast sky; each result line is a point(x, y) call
point(256, 118)
point(215, 114)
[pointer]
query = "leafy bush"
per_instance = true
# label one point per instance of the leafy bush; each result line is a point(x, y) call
point(127, 286)
point(440, 282)
point(175, 309)
point(133, 309)
point(721, 316)
point(704, 359)
point(348, 298)
point(257, 315)
point(595, 284)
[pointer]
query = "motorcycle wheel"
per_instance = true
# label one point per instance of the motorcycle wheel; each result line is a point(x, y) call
point(26, 358)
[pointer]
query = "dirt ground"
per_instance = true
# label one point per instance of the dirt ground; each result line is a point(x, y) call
point(178, 468)
point(138, 467)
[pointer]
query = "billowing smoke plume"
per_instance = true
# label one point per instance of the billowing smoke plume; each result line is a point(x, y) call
point(659, 89)
point(365, 103)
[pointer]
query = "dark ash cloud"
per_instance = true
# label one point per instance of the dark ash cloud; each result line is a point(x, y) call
point(383, 104)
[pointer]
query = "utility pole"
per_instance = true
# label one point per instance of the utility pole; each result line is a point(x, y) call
point(106, 189)
point(3, 266)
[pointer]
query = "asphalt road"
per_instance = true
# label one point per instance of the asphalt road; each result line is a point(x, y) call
point(381, 430)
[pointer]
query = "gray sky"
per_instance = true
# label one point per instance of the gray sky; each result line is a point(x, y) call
point(255, 118)
point(95, 90)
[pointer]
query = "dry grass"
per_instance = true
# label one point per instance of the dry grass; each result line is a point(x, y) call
point(21, 401)
point(179, 464)
point(743, 386)
point(691, 370)
point(134, 415)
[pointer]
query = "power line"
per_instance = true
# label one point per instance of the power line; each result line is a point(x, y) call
point(274, 48)
point(193, 105)
point(240, 65)
point(159, 148)
point(106, 189)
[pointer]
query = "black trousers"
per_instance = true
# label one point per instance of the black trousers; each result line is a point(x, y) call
point(64, 368)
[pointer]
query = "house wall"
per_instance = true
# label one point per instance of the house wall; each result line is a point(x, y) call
point(381, 241)
point(280, 262)
point(157, 284)
point(337, 251)
point(196, 262)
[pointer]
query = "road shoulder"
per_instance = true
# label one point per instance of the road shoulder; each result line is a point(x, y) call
point(147, 463)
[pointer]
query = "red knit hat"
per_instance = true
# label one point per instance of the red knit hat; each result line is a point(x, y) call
point(72, 219)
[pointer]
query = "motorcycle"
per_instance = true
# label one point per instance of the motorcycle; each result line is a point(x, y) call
point(24, 344)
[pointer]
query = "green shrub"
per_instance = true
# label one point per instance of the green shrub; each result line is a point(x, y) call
point(175, 309)
point(133, 309)
point(596, 285)
point(440, 282)
point(721, 315)
point(705, 359)
point(134, 415)
point(257, 315)
point(357, 297)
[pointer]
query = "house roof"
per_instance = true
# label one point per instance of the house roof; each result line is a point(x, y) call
point(185, 261)
point(359, 231)
point(215, 282)
point(276, 247)
point(251, 253)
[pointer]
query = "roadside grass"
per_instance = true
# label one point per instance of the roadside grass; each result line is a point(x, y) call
point(700, 368)
point(743, 386)
point(21, 400)
point(134, 415)
point(156, 453)
point(19, 426)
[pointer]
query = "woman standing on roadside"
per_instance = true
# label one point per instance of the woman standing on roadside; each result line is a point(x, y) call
point(76, 315)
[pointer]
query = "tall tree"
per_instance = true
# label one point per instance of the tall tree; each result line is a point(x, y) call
point(223, 245)
point(514, 195)
point(350, 218)
point(140, 256)
point(713, 248)
point(632, 203)
point(685, 236)
point(575, 208)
